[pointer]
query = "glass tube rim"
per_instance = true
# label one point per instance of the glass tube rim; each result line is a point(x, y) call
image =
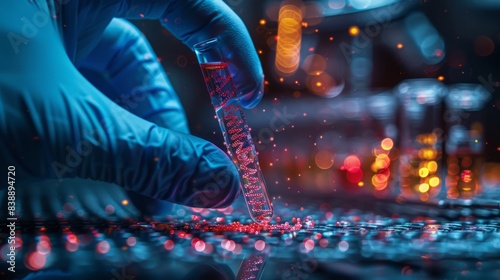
point(206, 44)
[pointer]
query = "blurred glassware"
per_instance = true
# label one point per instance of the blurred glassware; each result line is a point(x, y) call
point(421, 138)
point(361, 144)
point(464, 119)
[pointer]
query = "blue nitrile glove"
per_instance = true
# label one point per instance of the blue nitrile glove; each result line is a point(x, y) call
point(55, 124)
point(125, 68)
point(134, 78)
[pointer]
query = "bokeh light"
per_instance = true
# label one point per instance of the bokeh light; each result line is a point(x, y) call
point(354, 31)
point(336, 4)
point(36, 261)
point(343, 246)
point(313, 12)
point(351, 161)
point(131, 241)
point(314, 64)
point(260, 245)
point(387, 144)
point(169, 245)
point(289, 39)
point(102, 247)
point(324, 159)
point(484, 46)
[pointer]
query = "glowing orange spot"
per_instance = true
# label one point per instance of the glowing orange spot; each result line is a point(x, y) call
point(423, 188)
point(262, 22)
point(434, 181)
point(432, 166)
point(423, 172)
point(379, 181)
point(354, 31)
point(124, 202)
point(387, 144)
point(289, 39)
point(440, 78)
point(324, 159)
point(381, 162)
point(399, 46)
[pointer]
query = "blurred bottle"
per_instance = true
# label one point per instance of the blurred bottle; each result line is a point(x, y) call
point(464, 120)
point(421, 138)
point(360, 148)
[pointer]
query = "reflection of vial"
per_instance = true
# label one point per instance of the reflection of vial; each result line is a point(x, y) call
point(234, 129)
point(421, 138)
point(252, 267)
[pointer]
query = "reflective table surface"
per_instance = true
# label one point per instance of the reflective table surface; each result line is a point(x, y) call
point(313, 238)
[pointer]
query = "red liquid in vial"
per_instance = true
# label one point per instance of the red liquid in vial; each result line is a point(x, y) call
point(238, 139)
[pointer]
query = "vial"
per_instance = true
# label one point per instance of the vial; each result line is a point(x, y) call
point(235, 129)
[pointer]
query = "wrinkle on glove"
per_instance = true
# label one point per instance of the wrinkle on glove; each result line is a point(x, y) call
point(125, 68)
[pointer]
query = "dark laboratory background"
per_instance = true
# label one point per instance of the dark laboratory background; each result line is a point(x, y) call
point(349, 53)
point(375, 112)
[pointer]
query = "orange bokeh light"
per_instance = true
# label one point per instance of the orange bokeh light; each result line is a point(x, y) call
point(387, 144)
point(289, 39)
point(354, 31)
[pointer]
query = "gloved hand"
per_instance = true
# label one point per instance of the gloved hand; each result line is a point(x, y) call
point(55, 124)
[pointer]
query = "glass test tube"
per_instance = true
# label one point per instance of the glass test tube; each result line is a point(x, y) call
point(234, 128)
